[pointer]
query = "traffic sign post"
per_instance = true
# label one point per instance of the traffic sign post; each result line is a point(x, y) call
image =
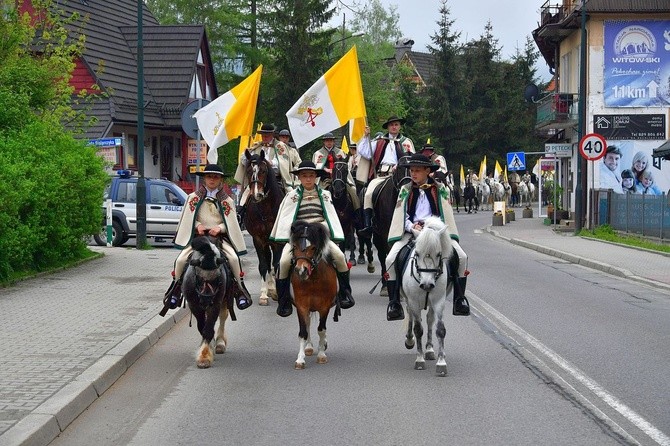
point(190, 126)
point(592, 146)
point(516, 161)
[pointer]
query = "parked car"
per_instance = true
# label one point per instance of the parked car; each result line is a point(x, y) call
point(164, 202)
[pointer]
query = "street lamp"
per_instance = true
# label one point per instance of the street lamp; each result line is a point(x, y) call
point(342, 40)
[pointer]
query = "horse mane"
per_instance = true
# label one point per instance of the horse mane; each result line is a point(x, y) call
point(434, 233)
point(271, 182)
point(315, 233)
point(205, 249)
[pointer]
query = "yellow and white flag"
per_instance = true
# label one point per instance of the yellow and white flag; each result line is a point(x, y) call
point(357, 128)
point(230, 115)
point(462, 176)
point(330, 103)
point(498, 170)
point(482, 169)
point(345, 147)
point(247, 141)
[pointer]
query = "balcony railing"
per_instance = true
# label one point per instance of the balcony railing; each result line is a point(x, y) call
point(555, 13)
point(557, 110)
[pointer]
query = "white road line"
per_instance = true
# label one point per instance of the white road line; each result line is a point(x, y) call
point(635, 418)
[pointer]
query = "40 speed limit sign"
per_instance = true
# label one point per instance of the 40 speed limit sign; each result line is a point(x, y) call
point(592, 146)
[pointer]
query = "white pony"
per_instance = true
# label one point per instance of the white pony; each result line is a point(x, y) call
point(497, 191)
point(524, 194)
point(485, 195)
point(425, 284)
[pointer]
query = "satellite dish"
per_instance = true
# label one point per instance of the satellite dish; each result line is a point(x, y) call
point(531, 93)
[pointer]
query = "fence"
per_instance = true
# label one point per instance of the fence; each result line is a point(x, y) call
point(647, 215)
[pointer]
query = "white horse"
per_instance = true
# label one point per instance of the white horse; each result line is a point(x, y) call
point(485, 195)
point(425, 283)
point(497, 191)
point(524, 197)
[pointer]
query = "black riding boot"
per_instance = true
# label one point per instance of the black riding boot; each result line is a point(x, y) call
point(394, 312)
point(284, 305)
point(461, 304)
point(344, 295)
point(367, 222)
point(242, 296)
point(172, 298)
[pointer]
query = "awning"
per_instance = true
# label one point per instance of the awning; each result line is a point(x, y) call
point(662, 153)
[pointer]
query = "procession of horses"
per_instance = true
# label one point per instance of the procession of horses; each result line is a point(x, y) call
point(314, 282)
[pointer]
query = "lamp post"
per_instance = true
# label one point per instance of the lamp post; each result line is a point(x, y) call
point(141, 199)
point(343, 39)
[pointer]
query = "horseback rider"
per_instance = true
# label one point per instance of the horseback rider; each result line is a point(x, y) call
point(310, 203)
point(325, 159)
point(380, 156)
point(209, 211)
point(417, 201)
point(282, 158)
point(429, 151)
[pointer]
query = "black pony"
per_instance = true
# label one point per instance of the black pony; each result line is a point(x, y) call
point(344, 206)
point(207, 289)
point(470, 198)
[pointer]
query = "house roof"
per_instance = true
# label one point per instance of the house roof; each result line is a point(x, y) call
point(423, 63)
point(170, 54)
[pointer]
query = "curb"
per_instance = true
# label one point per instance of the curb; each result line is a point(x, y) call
point(589, 263)
point(49, 419)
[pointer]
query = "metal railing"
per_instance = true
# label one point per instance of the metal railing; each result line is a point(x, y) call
point(646, 215)
point(557, 108)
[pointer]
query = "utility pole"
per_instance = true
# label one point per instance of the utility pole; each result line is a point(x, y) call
point(581, 125)
point(141, 200)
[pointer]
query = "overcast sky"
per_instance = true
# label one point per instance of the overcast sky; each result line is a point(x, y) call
point(512, 21)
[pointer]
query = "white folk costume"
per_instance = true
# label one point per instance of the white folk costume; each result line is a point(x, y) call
point(312, 206)
point(416, 203)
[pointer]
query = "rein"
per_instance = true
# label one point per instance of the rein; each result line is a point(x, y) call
point(207, 290)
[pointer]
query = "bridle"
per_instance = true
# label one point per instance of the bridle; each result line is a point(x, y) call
point(303, 244)
point(339, 176)
point(254, 179)
point(415, 270)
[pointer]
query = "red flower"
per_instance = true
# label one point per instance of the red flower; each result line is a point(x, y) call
point(194, 201)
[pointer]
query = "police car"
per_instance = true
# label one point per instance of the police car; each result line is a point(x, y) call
point(164, 202)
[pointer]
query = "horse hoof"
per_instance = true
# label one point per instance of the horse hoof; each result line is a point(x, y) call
point(409, 344)
point(273, 295)
point(220, 349)
point(384, 291)
point(441, 370)
point(371, 268)
point(322, 360)
point(353, 261)
point(309, 351)
point(419, 365)
point(361, 260)
point(204, 364)
point(430, 356)
point(299, 365)
point(263, 301)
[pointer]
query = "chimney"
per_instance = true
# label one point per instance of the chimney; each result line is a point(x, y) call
point(402, 45)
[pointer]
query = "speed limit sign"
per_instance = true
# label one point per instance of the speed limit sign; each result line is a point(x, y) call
point(592, 146)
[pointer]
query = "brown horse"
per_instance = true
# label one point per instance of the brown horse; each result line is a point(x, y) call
point(314, 283)
point(265, 197)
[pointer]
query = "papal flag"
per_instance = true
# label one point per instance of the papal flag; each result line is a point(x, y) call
point(498, 170)
point(247, 141)
point(462, 177)
point(482, 169)
point(330, 103)
point(345, 146)
point(357, 128)
point(230, 115)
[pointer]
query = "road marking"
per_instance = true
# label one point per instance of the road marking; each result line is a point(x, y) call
point(609, 399)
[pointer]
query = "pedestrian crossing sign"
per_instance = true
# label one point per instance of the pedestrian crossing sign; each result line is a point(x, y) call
point(516, 161)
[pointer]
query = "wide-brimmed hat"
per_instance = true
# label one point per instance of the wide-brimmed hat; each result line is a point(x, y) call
point(284, 132)
point(307, 166)
point(393, 118)
point(352, 146)
point(328, 136)
point(419, 160)
point(428, 146)
point(211, 169)
point(267, 128)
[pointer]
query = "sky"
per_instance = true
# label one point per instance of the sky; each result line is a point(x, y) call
point(512, 21)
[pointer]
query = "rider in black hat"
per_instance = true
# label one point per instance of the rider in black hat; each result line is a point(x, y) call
point(417, 201)
point(382, 154)
point(208, 211)
point(313, 204)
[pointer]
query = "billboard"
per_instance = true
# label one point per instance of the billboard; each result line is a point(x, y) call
point(637, 63)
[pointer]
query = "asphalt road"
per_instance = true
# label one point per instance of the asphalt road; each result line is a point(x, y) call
point(553, 354)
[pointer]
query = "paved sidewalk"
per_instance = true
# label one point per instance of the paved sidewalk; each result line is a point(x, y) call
point(641, 265)
point(68, 336)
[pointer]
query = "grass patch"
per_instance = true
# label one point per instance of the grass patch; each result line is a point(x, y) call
point(605, 232)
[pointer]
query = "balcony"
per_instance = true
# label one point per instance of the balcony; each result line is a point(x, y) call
point(557, 21)
point(557, 111)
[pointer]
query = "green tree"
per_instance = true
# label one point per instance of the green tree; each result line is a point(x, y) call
point(50, 184)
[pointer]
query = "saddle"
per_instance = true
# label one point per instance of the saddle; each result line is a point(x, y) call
point(402, 259)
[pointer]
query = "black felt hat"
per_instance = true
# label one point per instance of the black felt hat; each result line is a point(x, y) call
point(211, 169)
point(307, 166)
point(267, 128)
point(393, 118)
point(419, 160)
